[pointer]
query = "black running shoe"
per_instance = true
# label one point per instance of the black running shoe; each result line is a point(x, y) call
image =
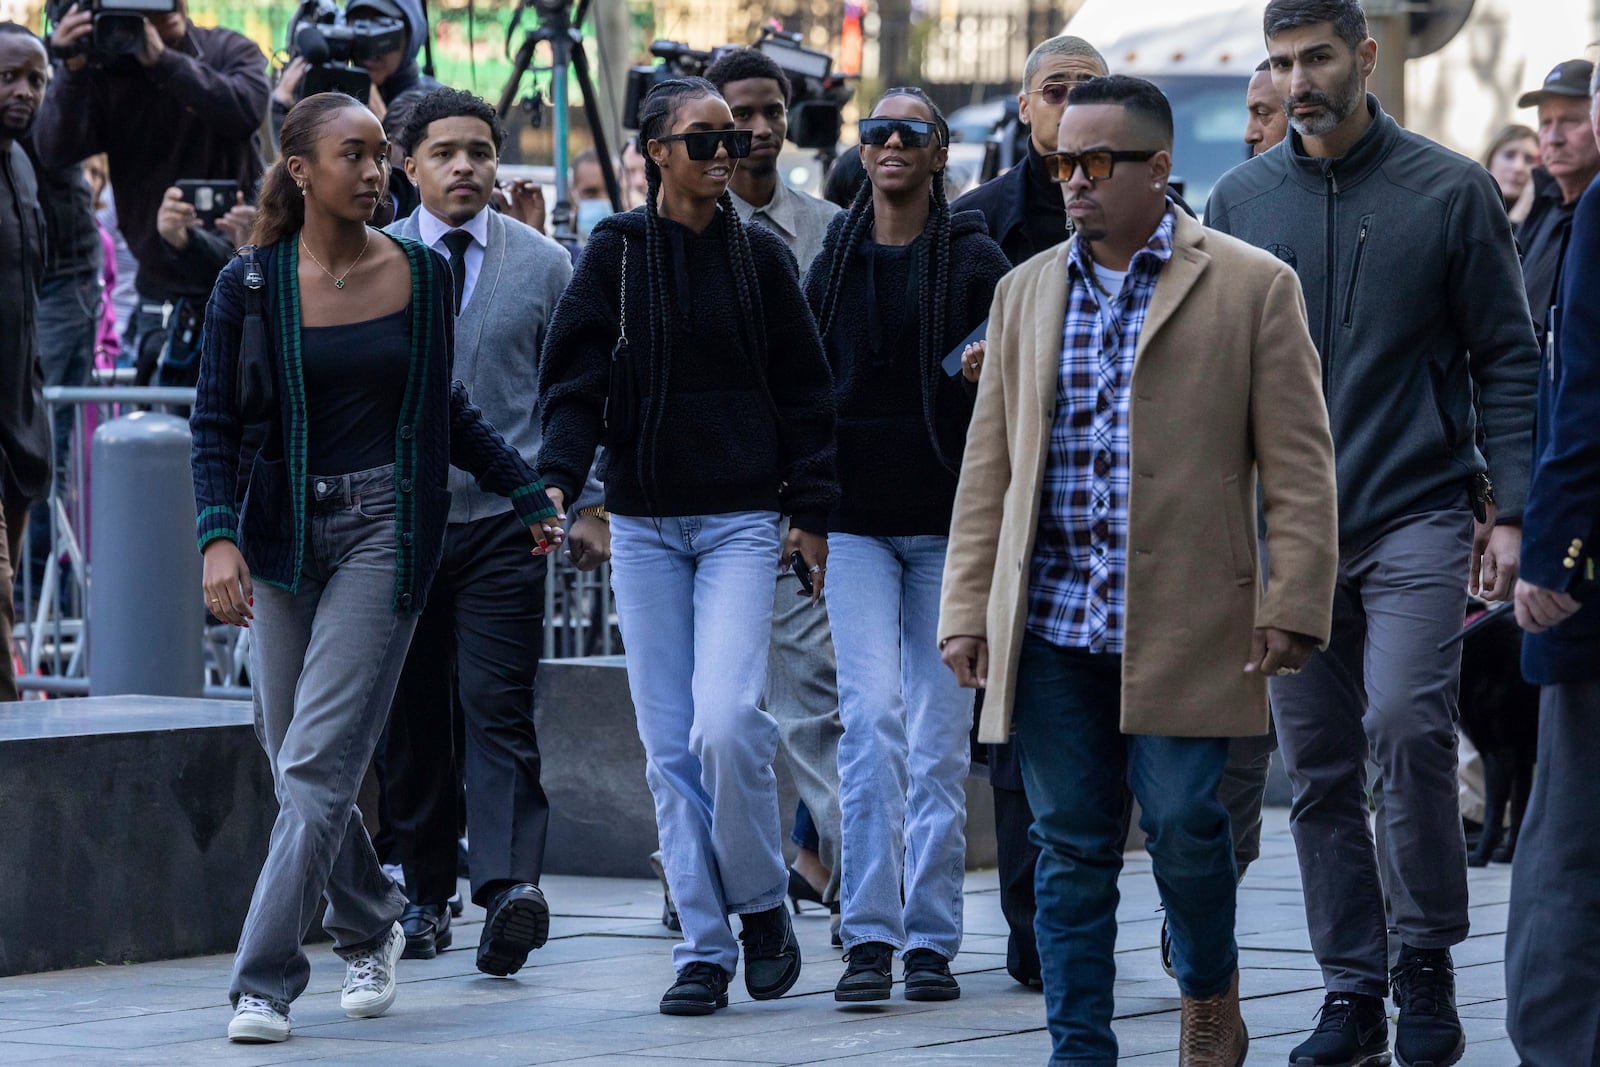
point(868, 973)
point(701, 989)
point(771, 953)
point(1428, 1033)
point(1353, 1031)
point(928, 976)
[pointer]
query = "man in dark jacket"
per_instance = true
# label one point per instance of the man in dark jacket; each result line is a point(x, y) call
point(1553, 1015)
point(1407, 263)
point(24, 436)
point(186, 106)
point(1569, 161)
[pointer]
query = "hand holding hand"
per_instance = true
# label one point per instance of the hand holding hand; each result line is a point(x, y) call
point(968, 659)
point(813, 548)
point(1275, 652)
point(589, 542)
point(549, 533)
point(226, 580)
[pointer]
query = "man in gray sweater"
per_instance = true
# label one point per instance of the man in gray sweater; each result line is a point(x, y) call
point(478, 642)
point(1407, 263)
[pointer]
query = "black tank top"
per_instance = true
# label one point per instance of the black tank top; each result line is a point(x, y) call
point(355, 379)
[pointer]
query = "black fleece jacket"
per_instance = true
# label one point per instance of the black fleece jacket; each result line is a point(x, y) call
point(897, 472)
point(723, 428)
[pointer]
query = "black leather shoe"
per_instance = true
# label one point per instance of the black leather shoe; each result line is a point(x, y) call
point(771, 953)
point(928, 976)
point(518, 922)
point(1428, 1032)
point(701, 989)
point(868, 974)
point(427, 930)
point(1353, 1031)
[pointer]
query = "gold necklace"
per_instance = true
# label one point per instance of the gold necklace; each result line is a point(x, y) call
point(338, 283)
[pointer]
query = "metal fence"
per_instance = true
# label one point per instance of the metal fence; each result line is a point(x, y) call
point(55, 566)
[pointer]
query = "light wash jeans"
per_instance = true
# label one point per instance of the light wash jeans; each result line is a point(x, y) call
point(324, 663)
point(694, 600)
point(905, 751)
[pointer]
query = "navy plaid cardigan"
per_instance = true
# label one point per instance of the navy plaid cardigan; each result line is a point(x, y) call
point(438, 427)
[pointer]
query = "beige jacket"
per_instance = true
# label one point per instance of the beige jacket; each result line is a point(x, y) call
point(1226, 382)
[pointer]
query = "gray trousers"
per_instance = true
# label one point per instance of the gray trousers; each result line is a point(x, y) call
point(1552, 968)
point(1382, 686)
point(324, 663)
point(803, 696)
point(1243, 787)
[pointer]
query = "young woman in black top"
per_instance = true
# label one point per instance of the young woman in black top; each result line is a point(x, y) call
point(700, 318)
point(899, 283)
point(340, 531)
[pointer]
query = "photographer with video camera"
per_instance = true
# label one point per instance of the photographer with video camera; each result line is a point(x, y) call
point(166, 100)
point(380, 37)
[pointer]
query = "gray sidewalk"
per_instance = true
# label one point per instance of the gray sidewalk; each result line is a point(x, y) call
point(590, 995)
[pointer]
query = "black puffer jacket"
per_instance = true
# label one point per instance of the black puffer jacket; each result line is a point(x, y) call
point(723, 427)
point(897, 472)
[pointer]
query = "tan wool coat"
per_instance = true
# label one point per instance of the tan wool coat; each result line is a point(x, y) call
point(1226, 383)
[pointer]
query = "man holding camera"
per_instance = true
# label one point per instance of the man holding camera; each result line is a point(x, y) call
point(392, 71)
point(185, 103)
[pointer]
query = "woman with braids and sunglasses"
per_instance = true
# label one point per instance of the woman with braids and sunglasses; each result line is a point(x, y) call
point(683, 343)
point(329, 558)
point(898, 284)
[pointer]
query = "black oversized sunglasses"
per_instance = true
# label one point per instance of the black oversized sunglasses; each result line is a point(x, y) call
point(914, 133)
point(1097, 165)
point(702, 144)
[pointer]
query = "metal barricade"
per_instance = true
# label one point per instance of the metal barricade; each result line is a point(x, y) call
point(53, 628)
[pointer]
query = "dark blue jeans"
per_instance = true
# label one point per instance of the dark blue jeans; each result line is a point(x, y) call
point(1075, 764)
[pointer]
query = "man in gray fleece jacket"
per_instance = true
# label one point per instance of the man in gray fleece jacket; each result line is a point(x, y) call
point(1407, 262)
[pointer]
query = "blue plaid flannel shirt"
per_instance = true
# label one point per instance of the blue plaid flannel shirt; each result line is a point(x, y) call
point(1077, 575)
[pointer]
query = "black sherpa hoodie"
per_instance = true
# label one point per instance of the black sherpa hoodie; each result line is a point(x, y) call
point(723, 428)
point(895, 480)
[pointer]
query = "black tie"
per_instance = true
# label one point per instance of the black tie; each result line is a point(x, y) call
point(457, 242)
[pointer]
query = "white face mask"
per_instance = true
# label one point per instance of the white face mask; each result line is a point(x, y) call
point(590, 212)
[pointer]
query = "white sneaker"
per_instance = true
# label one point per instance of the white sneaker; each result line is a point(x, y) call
point(369, 985)
point(256, 1021)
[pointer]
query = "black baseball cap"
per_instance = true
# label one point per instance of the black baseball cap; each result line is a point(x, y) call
point(1570, 79)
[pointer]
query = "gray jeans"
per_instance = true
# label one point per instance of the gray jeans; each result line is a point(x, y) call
point(803, 696)
point(1382, 686)
point(324, 663)
point(1552, 969)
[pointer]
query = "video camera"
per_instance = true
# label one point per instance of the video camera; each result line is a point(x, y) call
point(118, 25)
point(819, 95)
point(335, 46)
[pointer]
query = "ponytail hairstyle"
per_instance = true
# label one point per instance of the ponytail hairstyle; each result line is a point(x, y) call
point(281, 207)
point(931, 267)
point(656, 115)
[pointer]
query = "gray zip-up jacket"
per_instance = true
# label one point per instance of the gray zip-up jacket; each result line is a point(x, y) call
point(1408, 265)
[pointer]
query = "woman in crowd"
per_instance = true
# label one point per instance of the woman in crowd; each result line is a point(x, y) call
point(897, 285)
point(1510, 160)
point(330, 556)
point(684, 341)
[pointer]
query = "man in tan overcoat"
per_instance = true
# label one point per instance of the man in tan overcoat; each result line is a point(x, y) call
point(1102, 580)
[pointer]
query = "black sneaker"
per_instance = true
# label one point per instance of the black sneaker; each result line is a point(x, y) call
point(1428, 1033)
point(928, 976)
point(1353, 1032)
point(518, 922)
point(427, 930)
point(701, 989)
point(771, 953)
point(868, 973)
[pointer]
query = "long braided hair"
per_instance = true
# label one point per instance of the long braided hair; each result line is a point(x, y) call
point(930, 265)
point(656, 116)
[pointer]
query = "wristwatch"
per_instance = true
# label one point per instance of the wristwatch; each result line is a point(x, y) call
point(595, 511)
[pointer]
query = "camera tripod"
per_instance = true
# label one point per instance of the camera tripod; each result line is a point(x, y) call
point(559, 23)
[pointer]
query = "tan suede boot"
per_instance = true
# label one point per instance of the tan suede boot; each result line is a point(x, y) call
point(1213, 1032)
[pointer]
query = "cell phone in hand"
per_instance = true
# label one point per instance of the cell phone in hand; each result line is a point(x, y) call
point(211, 198)
point(802, 571)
